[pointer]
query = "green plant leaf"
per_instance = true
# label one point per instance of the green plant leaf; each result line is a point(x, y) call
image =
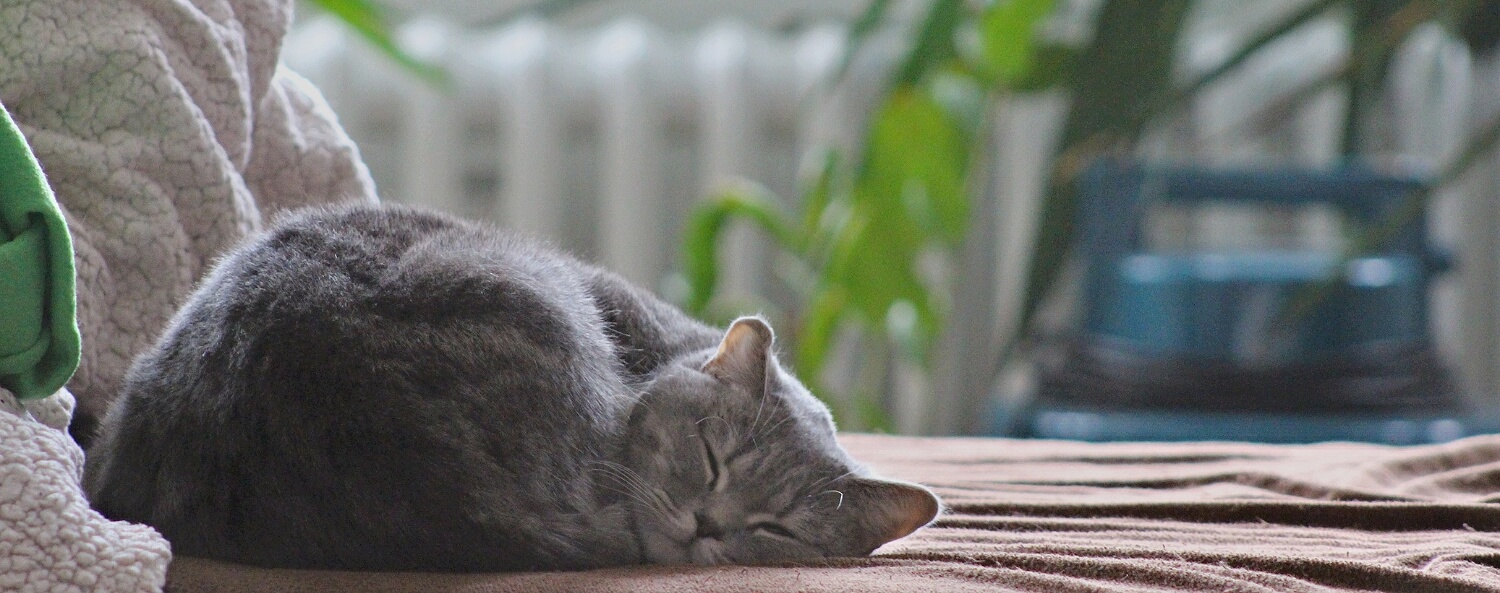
point(825, 311)
point(868, 225)
point(1054, 65)
point(859, 32)
point(917, 161)
point(873, 417)
point(963, 99)
point(875, 261)
point(366, 18)
point(707, 224)
point(818, 197)
point(1006, 36)
point(934, 45)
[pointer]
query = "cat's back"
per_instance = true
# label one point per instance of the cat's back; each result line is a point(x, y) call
point(405, 294)
point(356, 371)
point(386, 261)
point(376, 278)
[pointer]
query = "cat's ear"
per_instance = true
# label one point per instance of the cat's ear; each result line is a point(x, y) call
point(889, 510)
point(743, 354)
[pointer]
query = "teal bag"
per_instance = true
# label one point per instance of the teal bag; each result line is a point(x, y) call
point(38, 328)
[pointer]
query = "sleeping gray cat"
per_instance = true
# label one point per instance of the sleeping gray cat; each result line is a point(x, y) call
point(389, 389)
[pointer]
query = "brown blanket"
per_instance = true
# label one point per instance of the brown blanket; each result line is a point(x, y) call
point(1051, 516)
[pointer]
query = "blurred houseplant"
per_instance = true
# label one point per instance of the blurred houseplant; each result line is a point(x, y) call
point(867, 224)
point(368, 19)
point(862, 240)
point(870, 224)
point(866, 229)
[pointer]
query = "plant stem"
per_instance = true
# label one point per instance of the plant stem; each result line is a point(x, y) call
point(1250, 48)
point(1122, 75)
point(1078, 150)
point(1306, 300)
point(544, 8)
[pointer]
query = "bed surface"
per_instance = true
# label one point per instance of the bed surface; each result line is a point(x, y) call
point(1051, 516)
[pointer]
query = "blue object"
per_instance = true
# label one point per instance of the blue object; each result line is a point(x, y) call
point(1147, 425)
point(1220, 305)
point(1186, 342)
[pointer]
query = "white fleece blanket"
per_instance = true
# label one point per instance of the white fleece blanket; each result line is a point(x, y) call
point(169, 132)
point(50, 540)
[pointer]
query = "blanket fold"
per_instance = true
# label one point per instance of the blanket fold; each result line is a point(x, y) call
point(50, 540)
point(1053, 516)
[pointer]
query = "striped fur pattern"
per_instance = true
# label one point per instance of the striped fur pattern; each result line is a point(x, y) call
point(384, 388)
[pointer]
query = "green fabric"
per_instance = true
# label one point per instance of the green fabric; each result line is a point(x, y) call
point(38, 329)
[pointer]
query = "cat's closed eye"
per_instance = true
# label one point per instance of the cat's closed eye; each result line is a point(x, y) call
point(773, 528)
point(712, 466)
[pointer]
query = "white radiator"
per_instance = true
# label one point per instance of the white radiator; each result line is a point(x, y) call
point(602, 139)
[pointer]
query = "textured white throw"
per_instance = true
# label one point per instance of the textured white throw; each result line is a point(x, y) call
point(50, 540)
point(169, 132)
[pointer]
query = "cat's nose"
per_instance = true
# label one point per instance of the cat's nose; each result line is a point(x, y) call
point(707, 527)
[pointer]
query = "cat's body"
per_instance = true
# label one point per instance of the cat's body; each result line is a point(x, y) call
point(383, 389)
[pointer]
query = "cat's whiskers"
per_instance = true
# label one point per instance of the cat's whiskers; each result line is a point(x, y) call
point(838, 492)
point(630, 485)
point(648, 503)
point(626, 477)
point(636, 489)
point(827, 481)
point(769, 429)
point(707, 418)
point(756, 422)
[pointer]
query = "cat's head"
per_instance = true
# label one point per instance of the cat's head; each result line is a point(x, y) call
point(732, 460)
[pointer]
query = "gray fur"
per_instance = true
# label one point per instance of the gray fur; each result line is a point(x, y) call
point(384, 388)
